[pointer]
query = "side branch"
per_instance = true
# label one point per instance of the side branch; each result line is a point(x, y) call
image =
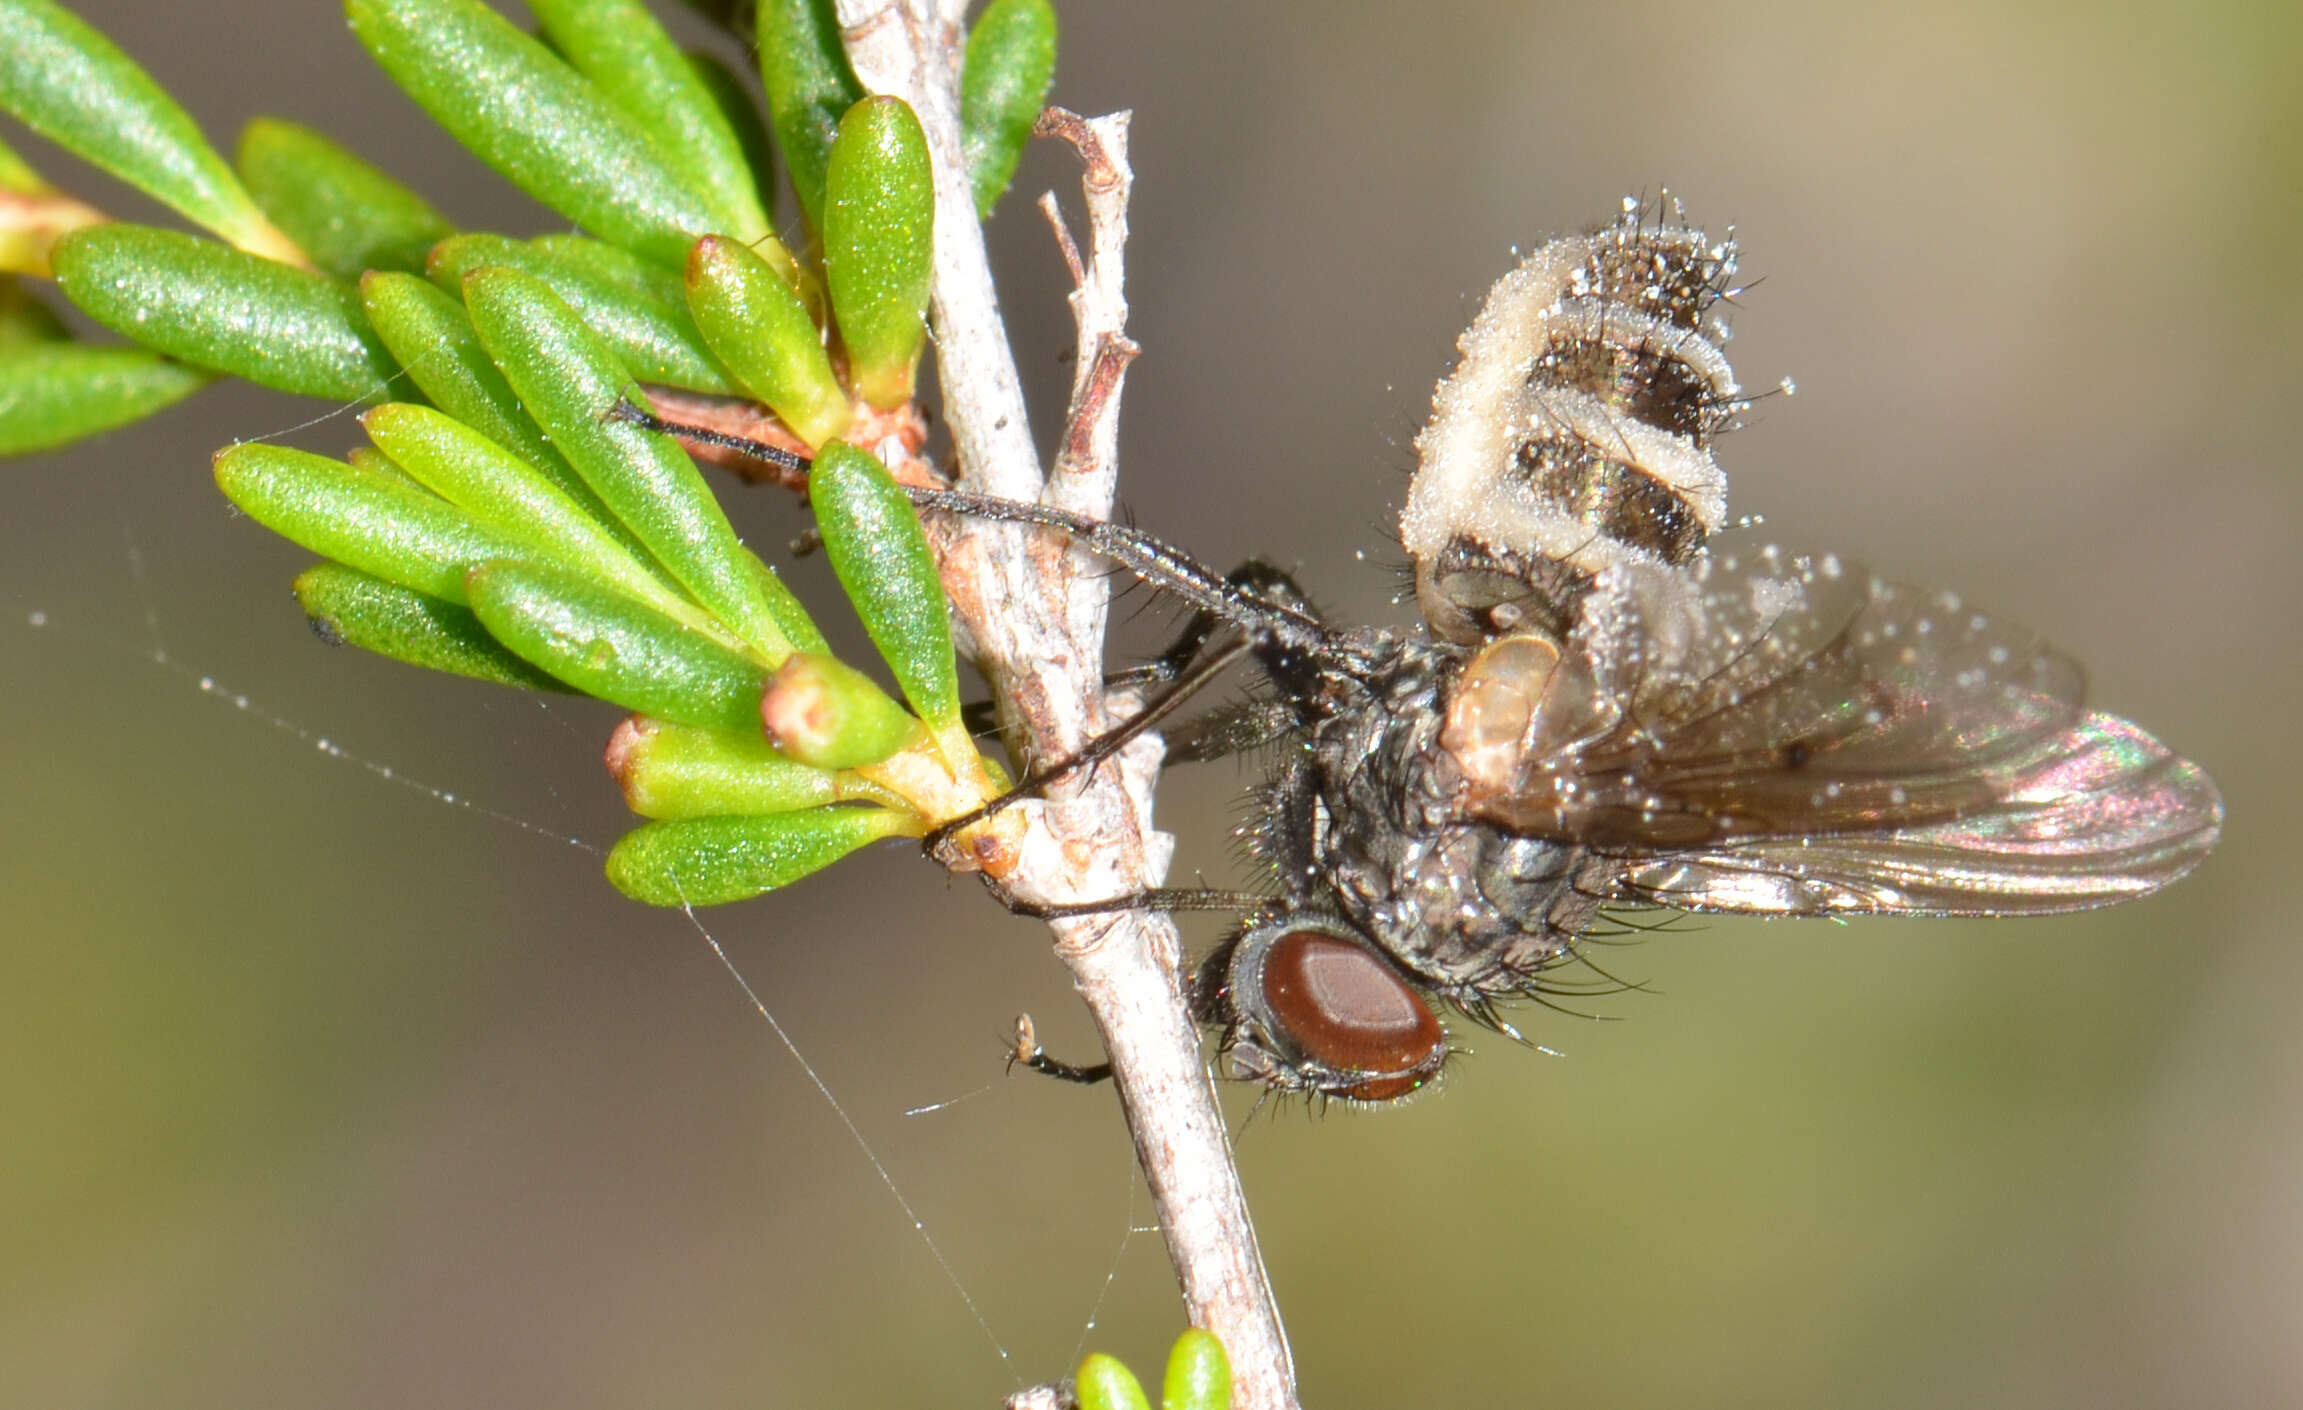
point(1086, 473)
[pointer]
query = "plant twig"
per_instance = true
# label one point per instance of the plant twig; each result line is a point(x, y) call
point(1036, 611)
point(1058, 1396)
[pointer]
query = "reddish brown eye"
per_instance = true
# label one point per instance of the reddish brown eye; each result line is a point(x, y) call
point(1348, 1013)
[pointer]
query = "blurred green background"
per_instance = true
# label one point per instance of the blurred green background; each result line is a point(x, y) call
point(321, 1091)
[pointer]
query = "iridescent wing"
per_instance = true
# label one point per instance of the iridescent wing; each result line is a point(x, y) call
point(2105, 814)
point(1791, 736)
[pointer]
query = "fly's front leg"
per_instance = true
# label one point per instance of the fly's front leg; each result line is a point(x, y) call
point(1191, 665)
point(1152, 898)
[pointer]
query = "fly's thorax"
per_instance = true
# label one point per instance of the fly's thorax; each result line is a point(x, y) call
point(1469, 908)
point(1478, 912)
point(1575, 432)
point(1373, 723)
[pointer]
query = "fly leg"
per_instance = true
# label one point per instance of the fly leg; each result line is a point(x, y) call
point(1149, 557)
point(1102, 747)
point(1026, 1050)
point(1190, 665)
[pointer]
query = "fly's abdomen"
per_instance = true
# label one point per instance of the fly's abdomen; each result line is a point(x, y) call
point(1575, 432)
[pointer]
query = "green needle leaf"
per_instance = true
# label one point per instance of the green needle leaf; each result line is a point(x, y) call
point(219, 308)
point(882, 558)
point(433, 337)
point(619, 46)
point(545, 127)
point(74, 87)
point(1011, 61)
point(370, 461)
point(615, 649)
point(349, 216)
point(350, 608)
point(761, 332)
point(1198, 1374)
point(821, 711)
point(879, 236)
point(638, 308)
point(52, 394)
point(743, 118)
point(799, 628)
point(570, 381)
point(809, 85)
point(505, 493)
point(679, 771)
point(376, 523)
point(713, 861)
point(1105, 1384)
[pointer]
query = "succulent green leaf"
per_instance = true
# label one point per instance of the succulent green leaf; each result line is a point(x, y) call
point(680, 771)
point(619, 46)
point(1105, 1384)
point(750, 130)
point(639, 309)
point(370, 461)
point(821, 711)
point(374, 522)
point(504, 493)
point(879, 237)
point(877, 548)
point(1198, 1374)
point(74, 87)
point(569, 380)
point(53, 393)
point(24, 319)
point(809, 85)
point(614, 648)
point(351, 608)
point(544, 126)
point(713, 861)
point(798, 627)
point(1011, 61)
point(347, 215)
point(756, 325)
point(219, 308)
point(432, 336)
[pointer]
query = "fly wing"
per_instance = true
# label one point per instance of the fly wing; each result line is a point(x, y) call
point(2104, 813)
point(1792, 736)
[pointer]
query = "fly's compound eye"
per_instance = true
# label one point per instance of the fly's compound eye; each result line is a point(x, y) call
point(1319, 1011)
